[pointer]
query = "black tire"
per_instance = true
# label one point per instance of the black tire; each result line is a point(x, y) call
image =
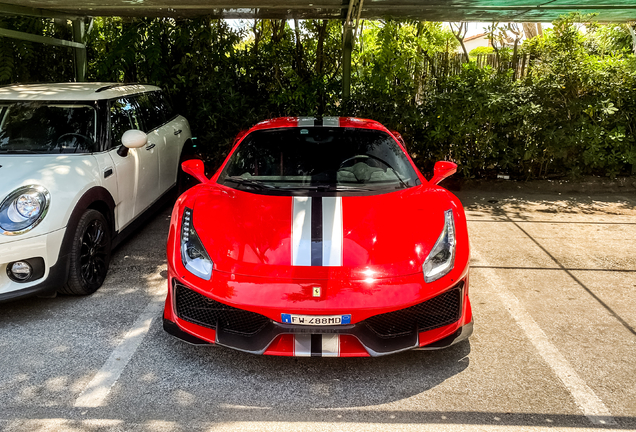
point(90, 254)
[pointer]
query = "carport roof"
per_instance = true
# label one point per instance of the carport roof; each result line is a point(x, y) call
point(432, 10)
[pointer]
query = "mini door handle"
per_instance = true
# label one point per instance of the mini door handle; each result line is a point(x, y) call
point(150, 147)
point(108, 172)
point(177, 132)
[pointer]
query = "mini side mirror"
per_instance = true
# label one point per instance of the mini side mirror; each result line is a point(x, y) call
point(442, 170)
point(195, 168)
point(132, 138)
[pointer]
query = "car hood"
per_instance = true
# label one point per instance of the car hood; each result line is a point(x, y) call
point(367, 237)
point(44, 170)
point(64, 176)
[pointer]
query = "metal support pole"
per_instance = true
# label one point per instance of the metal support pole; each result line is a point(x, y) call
point(81, 62)
point(38, 39)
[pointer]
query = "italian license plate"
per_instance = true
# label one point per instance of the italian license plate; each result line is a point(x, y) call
point(316, 320)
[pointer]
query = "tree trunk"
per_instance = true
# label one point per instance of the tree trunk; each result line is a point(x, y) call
point(299, 50)
point(460, 35)
point(257, 36)
point(320, 47)
point(632, 31)
point(530, 30)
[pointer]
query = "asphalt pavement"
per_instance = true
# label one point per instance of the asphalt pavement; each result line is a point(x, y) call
point(553, 289)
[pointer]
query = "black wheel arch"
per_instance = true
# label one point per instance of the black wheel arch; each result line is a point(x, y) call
point(96, 198)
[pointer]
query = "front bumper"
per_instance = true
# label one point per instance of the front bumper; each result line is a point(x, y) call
point(436, 323)
point(47, 247)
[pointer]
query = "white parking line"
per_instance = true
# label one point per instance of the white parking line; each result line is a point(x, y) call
point(96, 391)
point(590, 404)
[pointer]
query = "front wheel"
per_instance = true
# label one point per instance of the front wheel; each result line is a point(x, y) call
point(90, 254)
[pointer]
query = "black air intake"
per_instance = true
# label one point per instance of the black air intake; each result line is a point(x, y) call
point(199, 309)
point(434, 313)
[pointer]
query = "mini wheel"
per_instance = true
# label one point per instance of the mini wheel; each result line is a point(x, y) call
point(90, 254)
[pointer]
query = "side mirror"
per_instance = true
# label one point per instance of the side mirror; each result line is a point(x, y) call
point(442, 170)
point(132, 138)
point(195, 168)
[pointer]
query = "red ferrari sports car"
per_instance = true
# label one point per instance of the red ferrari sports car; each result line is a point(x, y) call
point(318, 237)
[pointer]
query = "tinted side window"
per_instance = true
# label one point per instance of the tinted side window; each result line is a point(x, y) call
point(124, 116)
point(155, 110)
point(162, 100)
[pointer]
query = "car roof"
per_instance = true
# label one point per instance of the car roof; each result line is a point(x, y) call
point(72, 91)
point(349, 122)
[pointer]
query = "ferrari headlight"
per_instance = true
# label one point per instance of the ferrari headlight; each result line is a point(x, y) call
point(23, 209)
point(193, 255)
point(442, 257)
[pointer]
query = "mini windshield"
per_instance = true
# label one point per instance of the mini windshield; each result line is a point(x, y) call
point(292, 160)
point(36, 127)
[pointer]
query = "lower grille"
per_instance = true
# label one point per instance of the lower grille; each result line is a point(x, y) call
point(434, 313)
point(199, 309)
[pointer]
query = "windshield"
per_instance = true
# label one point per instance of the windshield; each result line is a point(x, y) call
point(297, 160)
point(36, 127)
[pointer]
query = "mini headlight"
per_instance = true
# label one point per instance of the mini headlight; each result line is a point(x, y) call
point(193, 255)
point(28, 205)
point(441, 259)
point(23, 209)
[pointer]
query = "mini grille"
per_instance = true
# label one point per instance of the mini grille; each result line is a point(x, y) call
point(198, 309)
point(434, 313)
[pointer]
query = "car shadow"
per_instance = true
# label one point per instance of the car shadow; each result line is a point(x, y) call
point(262, 381)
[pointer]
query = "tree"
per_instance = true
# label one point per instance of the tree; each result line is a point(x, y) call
point(459, 31)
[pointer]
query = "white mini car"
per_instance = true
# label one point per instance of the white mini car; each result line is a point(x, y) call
point(80, 164)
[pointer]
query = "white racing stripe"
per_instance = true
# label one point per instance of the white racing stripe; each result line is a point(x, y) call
point(306, 121)
point(331, 345)
point(316, 345)
point(328, 241)
point(331, 121)
point(332, 231)
point(302, 345)
point(301, 231)
point(590, 404)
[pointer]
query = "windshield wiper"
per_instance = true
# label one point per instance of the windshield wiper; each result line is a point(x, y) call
point(319, 187)
point(247, 182)
point(345, 188)
point(331, 188)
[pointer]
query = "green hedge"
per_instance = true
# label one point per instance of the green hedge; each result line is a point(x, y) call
point(572, 113)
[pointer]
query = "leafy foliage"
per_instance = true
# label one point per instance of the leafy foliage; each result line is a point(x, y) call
point(571, 111)
point(481, 50)
point(22, 61)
